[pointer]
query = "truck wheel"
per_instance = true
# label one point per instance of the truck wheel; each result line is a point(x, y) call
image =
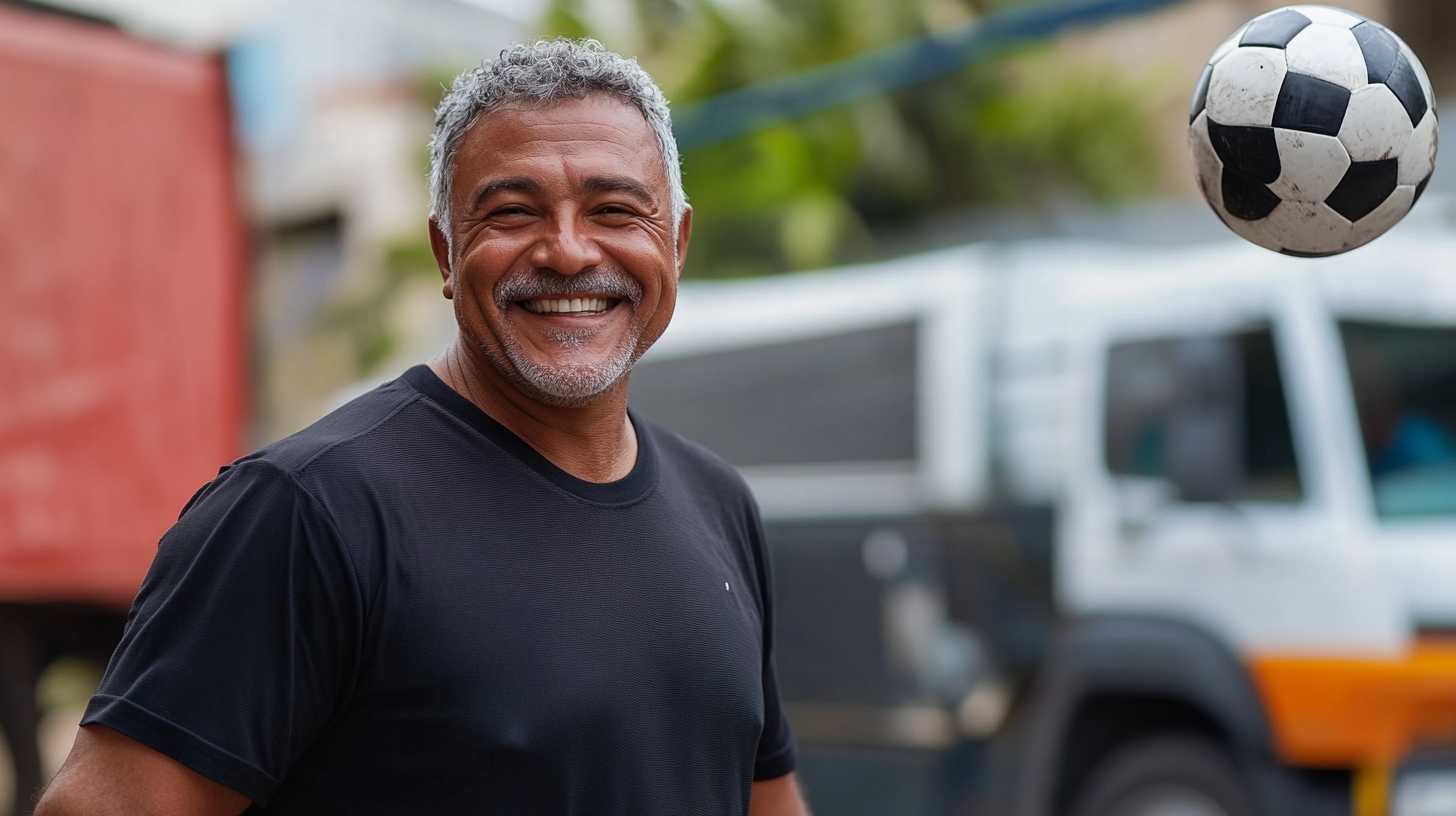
point(1176, 775)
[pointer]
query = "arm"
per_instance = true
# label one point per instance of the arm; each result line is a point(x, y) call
point(772, 797)
point(111, 774)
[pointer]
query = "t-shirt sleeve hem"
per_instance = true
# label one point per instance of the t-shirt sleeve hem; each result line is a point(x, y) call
point(775, 765)
point(166, 737)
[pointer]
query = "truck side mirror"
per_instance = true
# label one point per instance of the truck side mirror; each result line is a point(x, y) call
point(1205, 426)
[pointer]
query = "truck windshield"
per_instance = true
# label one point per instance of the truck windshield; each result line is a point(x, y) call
point(1404, 379)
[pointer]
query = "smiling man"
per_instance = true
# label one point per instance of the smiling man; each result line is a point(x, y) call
point(488, 586)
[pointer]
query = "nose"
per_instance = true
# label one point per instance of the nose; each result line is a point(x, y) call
point(567, 247)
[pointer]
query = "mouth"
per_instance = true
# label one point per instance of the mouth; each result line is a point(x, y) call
point(576, 305)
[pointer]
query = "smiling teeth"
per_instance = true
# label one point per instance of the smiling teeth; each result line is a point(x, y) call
point(566, 305)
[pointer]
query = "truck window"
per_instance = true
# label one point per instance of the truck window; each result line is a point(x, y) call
point(1404, 382)
point(1230, 383)
point(846, 397)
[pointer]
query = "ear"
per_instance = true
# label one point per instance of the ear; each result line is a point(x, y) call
point(684, 232)
point(441, 248)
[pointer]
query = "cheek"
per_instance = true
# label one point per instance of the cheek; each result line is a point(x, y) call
point(477, 275)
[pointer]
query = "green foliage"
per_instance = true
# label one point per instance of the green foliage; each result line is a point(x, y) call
point(817, 190)
point(366, 318)
point(1086, 124)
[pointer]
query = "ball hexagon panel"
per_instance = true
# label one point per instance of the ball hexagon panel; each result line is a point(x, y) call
point(1311, 165)
point(1307, 229)
point(1365, 187)
point(1328, 15)
point(1244, 88)
point(1419, 157)
point(1329, 53)
point(1206, 162)
point(1382, 218)
point(1309, 104)
point(1275, 29)
point(1375, 125)
point(1257, 232)
point(1226, 47)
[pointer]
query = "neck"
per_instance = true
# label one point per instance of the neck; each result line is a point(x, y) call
point(594, 442)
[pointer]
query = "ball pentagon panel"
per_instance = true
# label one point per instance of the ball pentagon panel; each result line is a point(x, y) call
point(1382, 218)
point(1379, 48)
point(1364, 188)
point(1420, 70)
point(1275, 29)
point(1250, 151)
point(1244, 197)
point(1200, 94)
point(1311, 104)
point(1407, 87)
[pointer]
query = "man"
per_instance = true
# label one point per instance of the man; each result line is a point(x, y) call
point(486, 587)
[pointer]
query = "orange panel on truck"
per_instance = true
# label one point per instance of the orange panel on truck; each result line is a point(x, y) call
point(120, 292)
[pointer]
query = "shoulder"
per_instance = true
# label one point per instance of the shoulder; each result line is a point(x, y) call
point(363, 422)
point(339, 466)
point(686, 459)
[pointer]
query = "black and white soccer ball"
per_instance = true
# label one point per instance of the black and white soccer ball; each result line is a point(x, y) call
point(1313, 130)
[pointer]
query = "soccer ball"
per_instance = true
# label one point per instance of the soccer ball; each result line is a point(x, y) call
point(1313, 130)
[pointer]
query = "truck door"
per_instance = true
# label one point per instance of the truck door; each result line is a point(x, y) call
point(1198, 441)
point(1203, 508)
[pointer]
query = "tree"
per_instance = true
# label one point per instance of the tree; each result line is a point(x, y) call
point(821, 189)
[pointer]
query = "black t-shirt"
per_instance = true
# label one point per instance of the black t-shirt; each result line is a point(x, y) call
point(407, 609)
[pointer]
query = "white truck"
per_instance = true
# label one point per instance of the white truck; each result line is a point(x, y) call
point(1071, 529)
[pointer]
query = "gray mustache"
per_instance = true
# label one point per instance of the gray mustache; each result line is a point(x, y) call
point(599, 280)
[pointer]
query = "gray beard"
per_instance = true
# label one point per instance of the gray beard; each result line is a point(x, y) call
point(570, 384)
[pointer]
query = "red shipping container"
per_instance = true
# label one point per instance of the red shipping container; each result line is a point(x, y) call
point(121, 365)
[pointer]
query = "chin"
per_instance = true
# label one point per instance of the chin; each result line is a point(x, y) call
point(564, 382)
point(568, 386)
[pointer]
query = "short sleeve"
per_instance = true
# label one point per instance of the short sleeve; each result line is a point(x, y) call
point(244, 637)
point(776, 752)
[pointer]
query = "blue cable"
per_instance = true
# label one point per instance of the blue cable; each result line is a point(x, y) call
point(744, 110)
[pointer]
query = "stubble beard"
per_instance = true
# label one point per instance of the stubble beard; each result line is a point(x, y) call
point(571, 381)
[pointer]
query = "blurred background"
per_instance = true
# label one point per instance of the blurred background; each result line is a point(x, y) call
point(212, 231)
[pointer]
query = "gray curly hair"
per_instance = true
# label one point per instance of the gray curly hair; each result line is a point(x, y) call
point(539, 74)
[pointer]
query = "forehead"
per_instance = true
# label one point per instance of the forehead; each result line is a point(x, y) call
point(596, 133)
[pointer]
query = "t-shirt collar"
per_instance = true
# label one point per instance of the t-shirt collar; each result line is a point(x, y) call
point(627, 489)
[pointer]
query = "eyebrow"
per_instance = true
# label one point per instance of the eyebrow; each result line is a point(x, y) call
point(597, 184)
point(618, 184)
point(515, 184)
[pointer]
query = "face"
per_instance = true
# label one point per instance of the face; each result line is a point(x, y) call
point(563, 264)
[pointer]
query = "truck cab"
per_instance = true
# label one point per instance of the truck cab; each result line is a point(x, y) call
point(1071, 528)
